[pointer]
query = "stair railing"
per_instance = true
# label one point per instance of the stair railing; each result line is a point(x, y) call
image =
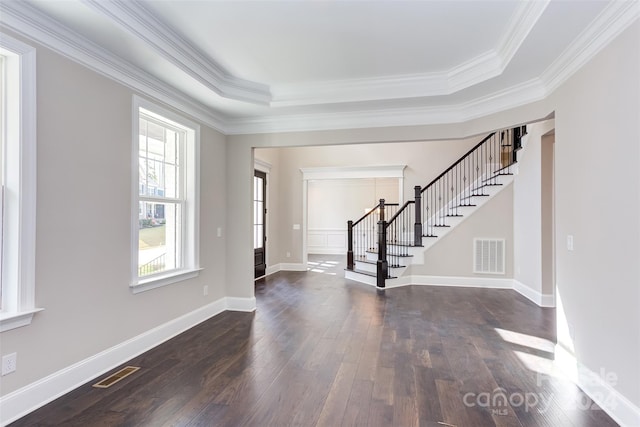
point(444, 197)
point(362, 234)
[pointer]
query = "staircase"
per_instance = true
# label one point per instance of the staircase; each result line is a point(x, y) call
point(388, 238)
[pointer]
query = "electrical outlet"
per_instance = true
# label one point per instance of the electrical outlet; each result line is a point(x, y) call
point(219, 232)
point(570, 242)
point(205, 290)
point(9, 363)
point(288, 254)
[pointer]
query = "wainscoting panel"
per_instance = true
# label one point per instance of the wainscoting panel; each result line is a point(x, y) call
point(327, 241)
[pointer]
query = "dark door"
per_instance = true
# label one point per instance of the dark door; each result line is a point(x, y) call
point(259, 214)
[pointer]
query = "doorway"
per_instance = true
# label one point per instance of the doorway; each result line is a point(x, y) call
point(259, 222)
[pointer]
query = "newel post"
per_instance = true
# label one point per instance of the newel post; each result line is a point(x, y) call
point(417, 228)
point(349, 245)
point(382, 267)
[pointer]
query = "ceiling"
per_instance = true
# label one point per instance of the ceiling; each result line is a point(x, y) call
point(264, 66)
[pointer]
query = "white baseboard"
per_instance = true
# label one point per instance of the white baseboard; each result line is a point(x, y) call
point(29, 398)
point(466, 282)
point(599, 390)
point(288, 266)
point(326, 251)
point(285, 266)
point(272, 269)
point(543, 300)
point(241, 304)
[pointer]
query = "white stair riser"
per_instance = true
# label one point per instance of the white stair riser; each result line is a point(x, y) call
point(362, 278)
point(365, 266)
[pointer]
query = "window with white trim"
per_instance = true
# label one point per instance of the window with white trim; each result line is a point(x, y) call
point(165, 197)
point(18, 171)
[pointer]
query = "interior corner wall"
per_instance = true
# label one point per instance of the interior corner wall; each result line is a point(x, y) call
point(597, 153)
point(83, 223)
point(527, 209)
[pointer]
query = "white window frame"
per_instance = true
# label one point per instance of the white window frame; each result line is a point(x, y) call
point(191, 244)
point(19, 199)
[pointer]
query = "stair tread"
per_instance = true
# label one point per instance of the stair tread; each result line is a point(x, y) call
point(474, 195)
point(391, 254)
point(404, 245)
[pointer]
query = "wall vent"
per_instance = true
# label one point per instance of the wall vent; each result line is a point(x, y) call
point(115, 377)
point(488, 256)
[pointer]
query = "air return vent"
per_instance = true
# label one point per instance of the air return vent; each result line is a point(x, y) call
point(488, 256)
point(114, 378)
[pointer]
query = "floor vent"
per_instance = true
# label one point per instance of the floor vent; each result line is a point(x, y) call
point(488, 256)
point(114, 378)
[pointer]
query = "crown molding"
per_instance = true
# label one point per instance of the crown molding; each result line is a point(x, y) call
point(477, 70)
point(494, 62)
point(612, 21)
point(31, 23)
point(139, 21)
point(515, 96)
point(349, 172)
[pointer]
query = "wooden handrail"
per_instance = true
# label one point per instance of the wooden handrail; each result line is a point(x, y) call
point(372, 211)
point(393, 218)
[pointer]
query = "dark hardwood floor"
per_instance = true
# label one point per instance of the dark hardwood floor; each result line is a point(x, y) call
point(323, 351)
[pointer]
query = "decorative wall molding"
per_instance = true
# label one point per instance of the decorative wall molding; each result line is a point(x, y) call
point(261, 165)
point(352, 172)
point(327, 241)
point(613, 20)
point(481, 68)
point(515, 96)
point(33, 24)
point(29, 22)
point(139, 21)
point(29, 398)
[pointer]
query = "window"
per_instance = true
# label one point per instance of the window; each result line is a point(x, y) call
point(18, 174)
point(165, 199)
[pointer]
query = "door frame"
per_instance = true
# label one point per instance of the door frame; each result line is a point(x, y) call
point(265, 167)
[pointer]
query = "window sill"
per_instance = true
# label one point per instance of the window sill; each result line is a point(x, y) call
point(164, 280)
point(17, 319)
